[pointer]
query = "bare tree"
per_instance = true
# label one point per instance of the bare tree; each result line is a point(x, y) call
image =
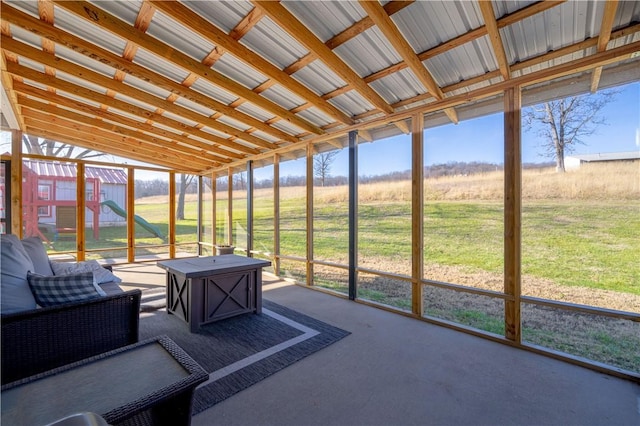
point(322, 165)
point(49, 147)
point(563, 123)
point(185, 182)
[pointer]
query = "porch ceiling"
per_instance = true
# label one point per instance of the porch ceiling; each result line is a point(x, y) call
point(200, 86)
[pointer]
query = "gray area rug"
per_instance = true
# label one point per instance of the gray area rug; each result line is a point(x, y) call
point(239, 352)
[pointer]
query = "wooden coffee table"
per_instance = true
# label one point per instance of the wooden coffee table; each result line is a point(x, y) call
point(202, 290)
point(150, 382)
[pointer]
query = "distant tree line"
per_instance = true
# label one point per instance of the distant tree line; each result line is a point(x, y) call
point(452, 168)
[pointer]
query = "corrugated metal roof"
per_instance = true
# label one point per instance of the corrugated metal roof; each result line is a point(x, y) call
point(69, 170)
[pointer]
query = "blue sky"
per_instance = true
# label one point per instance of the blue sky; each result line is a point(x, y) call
point(481, 139)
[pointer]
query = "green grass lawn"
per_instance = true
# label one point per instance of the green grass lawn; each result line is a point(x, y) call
point(571, 243)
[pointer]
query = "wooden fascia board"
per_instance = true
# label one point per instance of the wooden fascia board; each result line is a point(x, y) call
point(219, 38)
point(300, 32)
point(100, 18)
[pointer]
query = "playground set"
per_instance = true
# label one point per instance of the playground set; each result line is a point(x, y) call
point(49, 197)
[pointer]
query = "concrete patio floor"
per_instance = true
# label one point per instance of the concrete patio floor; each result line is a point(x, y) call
point(394, 370)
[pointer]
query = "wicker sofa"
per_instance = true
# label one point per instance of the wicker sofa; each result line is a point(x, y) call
point(38, 339)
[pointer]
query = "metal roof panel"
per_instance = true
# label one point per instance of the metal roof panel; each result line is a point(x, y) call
point(153, 62)
point(223, 14)
point(239, 71)
point(70, 23)
point(179, 37)
point(272, 43)
point(325, 18)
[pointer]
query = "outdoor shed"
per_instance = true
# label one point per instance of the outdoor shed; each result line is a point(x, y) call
point(574, 161)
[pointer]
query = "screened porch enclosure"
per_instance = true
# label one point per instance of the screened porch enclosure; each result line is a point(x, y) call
point(378, 152)
point(405, 241)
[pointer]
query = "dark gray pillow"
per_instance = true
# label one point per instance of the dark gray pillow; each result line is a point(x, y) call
point(38, 254)
point(14, 265)
point(58, 290)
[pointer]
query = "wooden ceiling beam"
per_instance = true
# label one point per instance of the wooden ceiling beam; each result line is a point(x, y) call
point(567, 50)
point(280, 15)
point(104, 56)
point(86, 138)
point(107, 22)
point(145, 114)
point(141, 126)
point(572, 67)
point(10, 107)
point(180, 151)
point(127, 90)
point(467, 37)
point(491, 26)
point(219, 38)
point(610, 9)
point(346, 35)
point(389, 29)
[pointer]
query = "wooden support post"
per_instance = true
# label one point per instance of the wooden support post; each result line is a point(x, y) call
point(131, 224)
point(214, 209)
point(309, 214)
point(353, 215)
point(230, 207)
point(276, 214)
point(80, 211)
point(512, 212)
point(417, 212)
point(249, 208)
point(16, 183)
point(200, 235)
point(172, 215)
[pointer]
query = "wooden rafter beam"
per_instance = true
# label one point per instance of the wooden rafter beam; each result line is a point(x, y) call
point(610, 9)
point(90, 138)
point(79, 45)
point(300, 32)
point(567, 50)
point(39, 96)
point(491, 25)
point(181, 151)
point(572, 67)
point(199, 25)
point(346, 35)
point(125, 89)
point(144, 114)
point(465, 38)
point(382, 20)
point(122, 29)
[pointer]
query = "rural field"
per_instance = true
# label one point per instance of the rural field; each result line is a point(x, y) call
point(580, 244)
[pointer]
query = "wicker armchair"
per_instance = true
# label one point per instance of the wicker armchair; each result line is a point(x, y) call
point(38, 340)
